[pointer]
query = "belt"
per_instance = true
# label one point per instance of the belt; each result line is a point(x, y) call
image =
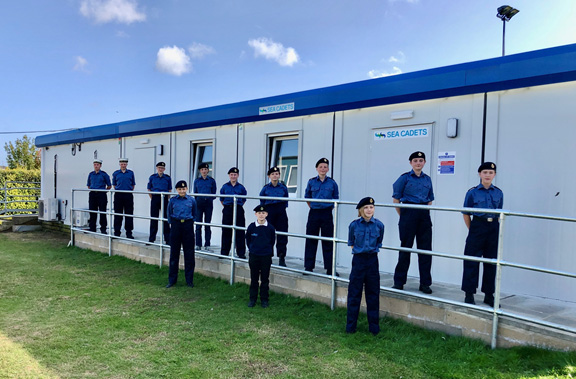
point(184, 220)
point(486, 219)
point(409, 202)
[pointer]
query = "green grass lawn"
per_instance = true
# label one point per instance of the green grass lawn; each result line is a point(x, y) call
point(69, 312)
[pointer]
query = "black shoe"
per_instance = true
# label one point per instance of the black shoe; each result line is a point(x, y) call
point(130, 236)
point(489, 299)
point(191, 285)
point(242, 256)
point(170, 285)
point(92, 230)
point(265, 304)
point(330, 274)
point(350, 331)
point(103, 232)
point(251, 303)
point(117, 234)
point(151, 241)
point(198, 247)
point(425, 289)
point(307, 271)
point(282, 262)
point(469, 298)
point(398, 286)
point(375, 333)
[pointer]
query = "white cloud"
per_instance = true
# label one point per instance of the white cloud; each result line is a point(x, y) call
point(198, 50)
point(173, 60)
point(400, 58)
point(275, 51)
point(81, 64)
point(372, 74)
point(120, 11)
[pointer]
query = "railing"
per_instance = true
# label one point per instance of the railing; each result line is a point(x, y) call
point(9, 197)
point(496, 311)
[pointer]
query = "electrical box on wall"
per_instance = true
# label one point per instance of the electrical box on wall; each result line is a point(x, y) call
point(452, 128)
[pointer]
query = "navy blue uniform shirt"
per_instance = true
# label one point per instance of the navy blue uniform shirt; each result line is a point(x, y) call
point(410, 188)
point(207, 185)
point(365, 237)
point(325, 190)
point(181, 208)
point(279, 190)
point(157, 183)
point(124, 181)
point(229, 189)
point(98, 180)
point(260, 238)
point(480, 197)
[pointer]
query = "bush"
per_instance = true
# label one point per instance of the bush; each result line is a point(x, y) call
point(30, 196)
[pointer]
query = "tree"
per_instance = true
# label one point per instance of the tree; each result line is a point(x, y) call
point(22, 154)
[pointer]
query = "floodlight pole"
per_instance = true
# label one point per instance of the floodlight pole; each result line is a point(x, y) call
point(503, 36)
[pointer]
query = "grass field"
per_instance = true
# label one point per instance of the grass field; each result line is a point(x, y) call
point(68, 312)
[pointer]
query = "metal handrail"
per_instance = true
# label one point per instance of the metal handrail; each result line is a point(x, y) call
point(7, 195)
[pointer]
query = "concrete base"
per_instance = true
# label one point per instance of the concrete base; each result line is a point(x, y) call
point(427, 313)
point(26, 228)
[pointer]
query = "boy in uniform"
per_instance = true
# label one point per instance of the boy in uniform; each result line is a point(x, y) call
point(159, 182)
point(204, 184)
point(260, 238)
point(233, 187)
point(123, 180)
point(181, 211)
point(482, 240)
point(97, 201)
point(277, 211)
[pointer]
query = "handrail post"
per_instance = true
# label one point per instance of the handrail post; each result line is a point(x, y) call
point(493, 343)
point(109, 216)
point(72, 218)
point(333, 276)
point(233, 248)
point(161, 229)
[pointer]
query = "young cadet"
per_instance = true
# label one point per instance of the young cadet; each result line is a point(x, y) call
point(233, 187)
point(277, 210)
point(159, 182)
point(414, 187)
point(365, 237)
point(260, 237)
point(205, 204)
point(123, 180)
point(482, 240)
point(97, 201)
point(181, 211)
point(320, 219)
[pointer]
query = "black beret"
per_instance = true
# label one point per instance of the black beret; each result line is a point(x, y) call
point(260, 208)
point(487, 166)
point(417, 154)
point(160, 164)
point(181, 184)
point(203, 165)
point(322, 160)
point(273, 169)
point(233, 170)
point(365, 201)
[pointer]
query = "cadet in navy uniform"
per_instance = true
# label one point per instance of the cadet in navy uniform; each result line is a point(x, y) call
point(320, 219)
point(204, 184)
point(233, 187)
point(414, 187)
point(159, 182)
point(483, 231)
point(277, 211)
point(181, 211)
point(260, 237)
point(123, 180)
point(97, 201)
point(365, 236)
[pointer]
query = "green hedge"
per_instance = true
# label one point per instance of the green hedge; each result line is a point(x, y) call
point(7, 194)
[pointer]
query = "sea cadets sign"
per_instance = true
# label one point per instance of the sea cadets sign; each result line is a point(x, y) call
point(401, 133)
point(288, 107)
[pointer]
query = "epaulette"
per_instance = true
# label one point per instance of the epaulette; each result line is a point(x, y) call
point(471, 189)
point(496, 187)
point(406, 173)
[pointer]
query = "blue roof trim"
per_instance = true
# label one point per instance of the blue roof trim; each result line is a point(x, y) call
point(554, 65)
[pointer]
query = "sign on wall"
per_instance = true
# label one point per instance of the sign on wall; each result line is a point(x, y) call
point(390, 134)
point(446, 162)
point(288, 107)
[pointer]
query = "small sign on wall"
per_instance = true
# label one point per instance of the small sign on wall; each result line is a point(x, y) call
point(446, 162)
point(390, 134)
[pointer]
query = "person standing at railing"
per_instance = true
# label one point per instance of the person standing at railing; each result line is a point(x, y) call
point(414, 187)
point(124, 180)
point(181, 211)
point(483, 229)
point(233, 187)
point(277, 211)
point(320, 219)
point(205, 204)
point(365, 236)
point(159, 182)
point(97, 201)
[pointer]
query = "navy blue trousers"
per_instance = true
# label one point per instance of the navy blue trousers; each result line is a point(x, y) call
point(278, 218)
point(259, 271)
point(320, 222)
point(123, 203)
point(482, 241)
point(227, 218)
point(414, 223)
point(182, 235)
point(155, 205)
point(97, 201)
point(364, 274)
point(203, 214)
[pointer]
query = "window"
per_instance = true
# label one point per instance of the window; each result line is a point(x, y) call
point(284, 154)
point(201, 153)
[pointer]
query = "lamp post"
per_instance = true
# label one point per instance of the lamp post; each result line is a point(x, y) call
point(505, 13)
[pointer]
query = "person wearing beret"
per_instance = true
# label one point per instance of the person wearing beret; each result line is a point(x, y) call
point(414, 187)
point(277, 210)
point(181, 211)
point(159, 182)
point(233, 187)
point(260, 238)
point(320, 220)
point(123, 180)
point(483, 229)
point(97, 201)
point(365, 236)
point(204, 184)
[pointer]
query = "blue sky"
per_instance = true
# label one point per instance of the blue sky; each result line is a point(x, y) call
point(77, 63)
